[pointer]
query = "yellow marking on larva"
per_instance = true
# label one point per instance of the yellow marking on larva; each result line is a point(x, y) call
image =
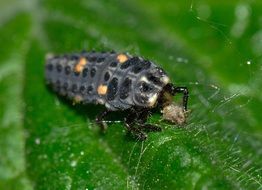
point(102, 89)
point(77, 99)
point(152, 100)
point(80, 65)
point(122, 58)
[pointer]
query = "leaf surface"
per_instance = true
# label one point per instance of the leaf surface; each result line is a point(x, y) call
point(212, 48)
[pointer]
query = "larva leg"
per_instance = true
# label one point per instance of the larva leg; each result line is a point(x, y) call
point(173, 90)
point(150, 127)
point(130, 124)
point(142, 118)
point(183, 90)
point(100, 120)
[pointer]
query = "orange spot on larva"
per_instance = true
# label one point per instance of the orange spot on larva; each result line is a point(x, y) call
point(102, 89)
point(80, 65)
point(122, 58)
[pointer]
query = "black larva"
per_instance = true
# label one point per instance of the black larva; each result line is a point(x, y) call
point(120, 82)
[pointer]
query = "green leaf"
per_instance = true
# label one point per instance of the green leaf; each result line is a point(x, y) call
point(213, 48)
point(12, 138)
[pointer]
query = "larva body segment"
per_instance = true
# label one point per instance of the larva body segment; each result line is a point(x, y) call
point(118, 81)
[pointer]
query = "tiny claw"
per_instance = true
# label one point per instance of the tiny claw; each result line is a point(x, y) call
point(140, 136)
point(102, 125)
point(150, 127)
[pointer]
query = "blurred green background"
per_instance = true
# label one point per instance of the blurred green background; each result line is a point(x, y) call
point(212, 47)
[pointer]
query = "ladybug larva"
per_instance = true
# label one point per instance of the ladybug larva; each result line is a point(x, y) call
point(120, 82)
